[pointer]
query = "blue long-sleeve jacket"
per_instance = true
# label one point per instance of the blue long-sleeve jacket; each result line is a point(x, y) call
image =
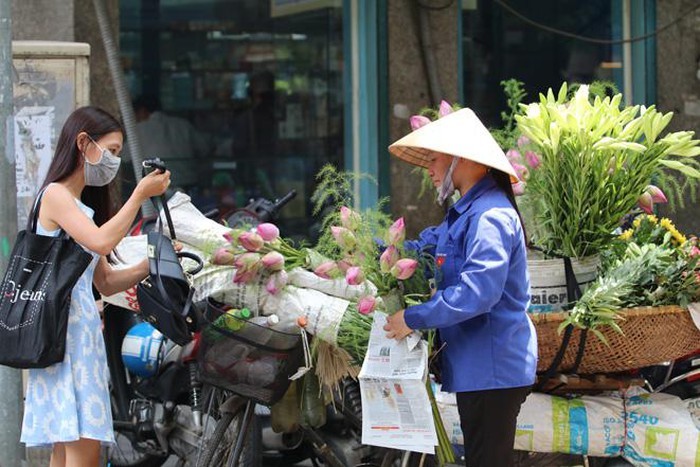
point(483, 291)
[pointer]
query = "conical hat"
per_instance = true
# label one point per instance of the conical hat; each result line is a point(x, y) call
point(460, 134)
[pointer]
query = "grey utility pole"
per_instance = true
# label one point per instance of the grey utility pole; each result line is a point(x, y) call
point(10, 379)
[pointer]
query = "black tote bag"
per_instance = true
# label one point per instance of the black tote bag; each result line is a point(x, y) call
point(35, 296)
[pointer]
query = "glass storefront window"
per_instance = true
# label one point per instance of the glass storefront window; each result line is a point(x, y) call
point(498, 46)
point(250, 104)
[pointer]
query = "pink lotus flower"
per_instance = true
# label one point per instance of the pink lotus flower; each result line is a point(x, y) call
point(273, 261)
point(657, 196)
point(397, 232)
point(366, 305)
point(345, 238)
point(521, 170)
point(345, 264)
point(247, 262)
point(223, 257)
point(277, 282)
point(532, 159)
point(445, 108)
point(519, 188)
point(232, 235)
point(388, 258)
point(523, 141)
point(513, 155)
point(354, 276)
point(418, 121)
point(251, 241)
point(349, 218)
point(404, 268)
point(327, 270)
point(268, 232)
point(244, 277)
point(646, 203)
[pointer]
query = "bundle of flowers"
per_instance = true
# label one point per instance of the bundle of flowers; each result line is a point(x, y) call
point(649, 264)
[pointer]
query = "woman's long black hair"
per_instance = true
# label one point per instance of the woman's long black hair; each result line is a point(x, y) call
point(503, 181)
point(67, 158)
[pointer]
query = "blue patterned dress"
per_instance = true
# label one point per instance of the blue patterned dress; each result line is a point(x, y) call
point(70, 400)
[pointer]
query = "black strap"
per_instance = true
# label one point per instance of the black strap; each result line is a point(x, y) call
point(573, 294)
point(33, 221)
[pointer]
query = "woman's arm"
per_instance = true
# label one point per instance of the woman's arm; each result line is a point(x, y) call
point(481, 278)
point(58, 208)
point(427, 240)
point(109, 280)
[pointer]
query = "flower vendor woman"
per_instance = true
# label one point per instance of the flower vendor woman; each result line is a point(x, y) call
point(483, 291)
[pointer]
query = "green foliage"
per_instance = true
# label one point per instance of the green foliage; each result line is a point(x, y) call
point(507, 135)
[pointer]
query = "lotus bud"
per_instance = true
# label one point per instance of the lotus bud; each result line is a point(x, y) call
point(404, 268)
point(244, 277)
point(513, 155)
point(388, 258)
point(345, 238)
point(345, 264)
point(273, 261)
point(366, 305)
point(277, 282)
point(523, 141)
point(223, 257)
point(268, 232)
point(232, 235)
point(657, 196)
point(519, 188)
point(418, 121)
point(251, 241)
point(532, 159)
point(349, 218)
point(327, 270)
point(397, 232)
point(646, 203)
point(445, 108)
point(521, 170)
point(247, 261)
point(354, 276)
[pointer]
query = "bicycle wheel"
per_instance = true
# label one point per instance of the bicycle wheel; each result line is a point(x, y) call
point(219, 447)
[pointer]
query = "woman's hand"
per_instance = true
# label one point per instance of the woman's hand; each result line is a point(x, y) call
point(153, 184)
point(396, 326)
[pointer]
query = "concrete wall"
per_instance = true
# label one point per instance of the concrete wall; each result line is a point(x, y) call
point(72, 21)
point(678, 88)
point(408, 86)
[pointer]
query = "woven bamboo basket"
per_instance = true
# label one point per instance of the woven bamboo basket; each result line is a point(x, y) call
point(650, 335)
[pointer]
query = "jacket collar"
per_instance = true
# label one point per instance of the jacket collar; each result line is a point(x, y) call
point(482, 186)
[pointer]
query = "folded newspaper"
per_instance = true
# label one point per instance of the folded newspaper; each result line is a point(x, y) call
point(396, 411)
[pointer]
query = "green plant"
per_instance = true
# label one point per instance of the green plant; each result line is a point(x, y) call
point(507, 135)
point(595, 160)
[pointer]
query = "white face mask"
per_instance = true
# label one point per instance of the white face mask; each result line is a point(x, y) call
point(104, 170)
point(447, 187)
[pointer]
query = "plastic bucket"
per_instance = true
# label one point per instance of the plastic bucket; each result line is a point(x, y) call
point(548, 281)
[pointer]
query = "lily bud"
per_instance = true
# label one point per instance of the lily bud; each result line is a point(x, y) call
point(251, 241)
point(532, 159)
point(327, 270)
point(223, 257)
point(268, 232)
point(445, 108)
point(418, 121)
point(273, 261)
point(404, 268)
point(397, 232)
point(277, 282)
point(366, 305)
point(349, 218)
point(345, 238)
point(388, 258)
point(657, 196)
point(646, 203)
point(354, 276)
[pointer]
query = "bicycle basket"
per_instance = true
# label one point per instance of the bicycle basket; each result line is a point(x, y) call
point(250, 360)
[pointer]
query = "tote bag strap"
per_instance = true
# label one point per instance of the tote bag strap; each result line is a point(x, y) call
point(33, 221)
